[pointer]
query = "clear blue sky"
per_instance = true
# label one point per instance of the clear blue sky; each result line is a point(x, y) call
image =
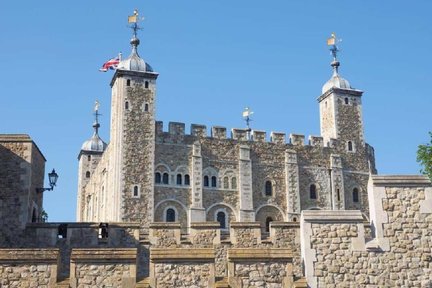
point(215, 58)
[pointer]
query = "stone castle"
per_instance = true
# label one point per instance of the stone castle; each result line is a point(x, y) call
point(168, 209)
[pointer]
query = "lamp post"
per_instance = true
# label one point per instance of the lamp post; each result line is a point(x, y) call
point(52, 178)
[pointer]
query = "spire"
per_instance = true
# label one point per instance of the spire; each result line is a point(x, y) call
point(134, 62)
point(336, 81)
point(332, 41)
point(95, 143)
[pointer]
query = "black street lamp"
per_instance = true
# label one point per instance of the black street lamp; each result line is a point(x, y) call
point(52, 177)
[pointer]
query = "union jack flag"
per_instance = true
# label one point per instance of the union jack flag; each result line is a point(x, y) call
point(110, 64)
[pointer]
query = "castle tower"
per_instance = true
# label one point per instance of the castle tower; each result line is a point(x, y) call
point(88, 159)
point(132, 143)
point(341, 109)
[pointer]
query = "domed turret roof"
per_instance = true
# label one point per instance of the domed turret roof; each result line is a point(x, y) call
point(134, 62)
point(94, 144)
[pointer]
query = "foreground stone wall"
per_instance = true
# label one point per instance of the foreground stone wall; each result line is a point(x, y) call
point(334, 248)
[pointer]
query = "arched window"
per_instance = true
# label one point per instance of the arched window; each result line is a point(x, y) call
point(128, 82)
point(350, 146)
point(268, 220)
point(88, 174)
point(355, 195)
point(179, 179)
point(145, 107)
point(312, 192)
point(127, 105)
point(187, 180)
point(268, 188)
point(213, 181)
point(158, 178)
point(135, 191)
point(206, 181)
point(221, 218)
point(346, 101)
point(146, 84)
point(89, 158)
point(165, 178)
point(233, 183)
point(170, 215)
point(226, 182)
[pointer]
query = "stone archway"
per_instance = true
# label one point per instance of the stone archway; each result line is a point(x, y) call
point(267, 214)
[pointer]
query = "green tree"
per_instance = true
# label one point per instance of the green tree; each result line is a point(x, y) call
point(424, 157)
point(44, 216)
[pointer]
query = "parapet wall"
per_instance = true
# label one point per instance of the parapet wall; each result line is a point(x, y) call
point(335, 252)
point(176, 129)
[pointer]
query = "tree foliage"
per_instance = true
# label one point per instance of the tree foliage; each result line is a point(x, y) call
point(424, 157)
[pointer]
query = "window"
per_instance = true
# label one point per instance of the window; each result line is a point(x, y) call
point(145, 107)
point(88, 174)
point(213, 181)
point(89, 158)
point(128, 82)
point(206, 181)
point(350, 146)
point(127, 105)
point(165, 178)
point(233, 183)
point(268, 220)
point(170, 215)
point(268, 188)
point(355, 195)
point(135, 191)
point(179, 179)
point(146, 84)
point(346, 101)
point(338, 194)
point(312, 192)
point(158, 177)
point(221, 218)
point(186, 180)
point(225, 182)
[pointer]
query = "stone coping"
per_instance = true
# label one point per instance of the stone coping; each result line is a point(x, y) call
point(261, 254)
point(29, 255)
point(332, 216)
point(205, 225)
point(104, 254)
point(182, 254)
point(71, 225)
point(280, 224)
point(400, 180)
point(165, 225)
point(245, 225)
point(15, 138)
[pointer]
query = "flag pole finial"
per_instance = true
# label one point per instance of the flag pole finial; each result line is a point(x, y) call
point(334, 49)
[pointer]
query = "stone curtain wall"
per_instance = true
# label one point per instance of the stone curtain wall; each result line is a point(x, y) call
point(187, 275)
point(262, 274)
point(334, 248)
point(25, 275)
point(28, 267)
point(98, 275)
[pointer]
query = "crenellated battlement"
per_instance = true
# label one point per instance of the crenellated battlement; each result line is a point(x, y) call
point(241, 134)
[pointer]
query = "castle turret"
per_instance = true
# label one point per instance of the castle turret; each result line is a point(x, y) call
point(89, 157)
point(132, 142)
point(341, 109)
